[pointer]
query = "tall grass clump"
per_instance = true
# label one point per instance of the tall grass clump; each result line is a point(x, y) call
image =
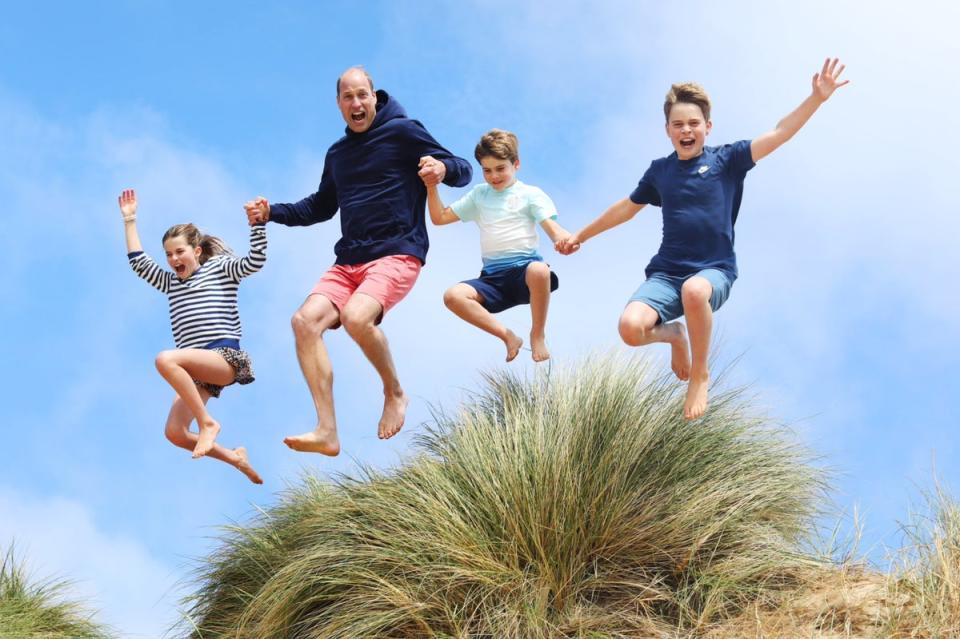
point(925, 586)
point(577, 504)
point(40, 610)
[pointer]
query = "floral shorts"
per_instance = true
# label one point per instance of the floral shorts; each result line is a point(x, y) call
point(241, 364)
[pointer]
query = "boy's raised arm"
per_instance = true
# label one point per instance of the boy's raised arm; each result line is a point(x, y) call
point(557, 233)
point(824, 84)
point(617, 214)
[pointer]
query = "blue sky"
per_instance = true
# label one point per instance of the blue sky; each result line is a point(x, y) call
point(845, 316)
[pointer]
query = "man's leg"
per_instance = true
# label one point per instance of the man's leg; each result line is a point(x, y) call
point(638, 327)
point(466, 303)
point(311, 320)
point(359, 318)
point(538, 282)
point(695, 294)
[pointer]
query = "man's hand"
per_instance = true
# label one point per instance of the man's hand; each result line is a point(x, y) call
point(828, 80)
point(432, 171)
point(258, 210)
point(128, 205)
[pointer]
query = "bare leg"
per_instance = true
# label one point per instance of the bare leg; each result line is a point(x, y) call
point(466, 303)
point(180, 367)
point(638, 327)
point(178, 432)
point(359, 318)
point(695, 294)
point(311, 320)
point(538, 281)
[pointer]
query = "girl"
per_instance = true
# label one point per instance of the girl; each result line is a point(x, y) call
point(202, 292)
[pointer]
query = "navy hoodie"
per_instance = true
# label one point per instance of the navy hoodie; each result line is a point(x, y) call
point(371, 177)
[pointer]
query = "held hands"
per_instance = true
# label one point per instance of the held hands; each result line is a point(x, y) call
point(568, 245)
point(828, 80)
point(432, 171)
point(128, 205)
point(258, 210)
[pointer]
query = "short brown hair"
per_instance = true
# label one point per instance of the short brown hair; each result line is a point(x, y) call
point(360, 68)
point(500, 144)
point(689, 92)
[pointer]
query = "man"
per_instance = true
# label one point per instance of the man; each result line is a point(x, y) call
point(375, 178)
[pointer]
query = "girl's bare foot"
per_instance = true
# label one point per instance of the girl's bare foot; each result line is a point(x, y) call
point(696, 404)
point(679, 351)
point(321, 441)
point(394, 412)
point(538, 347)
point(208, 434)
point(513, 345)
point(244, 465)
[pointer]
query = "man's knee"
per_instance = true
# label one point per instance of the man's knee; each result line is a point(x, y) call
point(357, 320)
point(312, 319)
point(696, 290)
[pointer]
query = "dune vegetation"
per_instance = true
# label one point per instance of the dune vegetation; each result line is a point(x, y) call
point(40, 609)
point(573, 504)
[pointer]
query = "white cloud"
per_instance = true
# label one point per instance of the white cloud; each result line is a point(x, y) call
point(60, 538)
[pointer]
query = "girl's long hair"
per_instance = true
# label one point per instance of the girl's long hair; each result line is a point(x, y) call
point(210, 245)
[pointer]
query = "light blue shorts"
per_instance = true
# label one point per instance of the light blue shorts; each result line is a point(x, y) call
point(661, 292)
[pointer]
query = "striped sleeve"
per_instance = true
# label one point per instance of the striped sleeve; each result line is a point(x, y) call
point(239, 268)
point(144, 266)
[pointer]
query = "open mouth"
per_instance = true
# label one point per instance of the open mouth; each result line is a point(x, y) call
point(359, 116)
point(180, 269)
point(687, 143)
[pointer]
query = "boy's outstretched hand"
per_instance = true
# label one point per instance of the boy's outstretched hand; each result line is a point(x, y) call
point(828, 80)
point(128, 205)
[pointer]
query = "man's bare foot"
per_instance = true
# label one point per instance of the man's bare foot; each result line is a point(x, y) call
point(513, 345)
point(316, 441)
point(679, 351)
point(208, 434)
point(696, 404)
point(538, 347)
point(394, 412)
point(244, 465)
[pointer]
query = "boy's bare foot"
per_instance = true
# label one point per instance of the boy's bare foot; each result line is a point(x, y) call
point(538, 347)
point(208, 434)
point(696, 404)
point(244, 465)
point(321, 441)
point(394, 412)
point(679, 351)
point(513, 345)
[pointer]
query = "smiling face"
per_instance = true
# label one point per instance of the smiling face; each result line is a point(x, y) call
point(357, 100)
point(182, 258)
point(500, 174)
point(687, 129)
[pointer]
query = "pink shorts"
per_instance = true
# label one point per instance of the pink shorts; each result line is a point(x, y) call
point(387, 280)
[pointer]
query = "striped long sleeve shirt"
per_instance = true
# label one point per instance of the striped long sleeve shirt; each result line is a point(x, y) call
point(203, 307)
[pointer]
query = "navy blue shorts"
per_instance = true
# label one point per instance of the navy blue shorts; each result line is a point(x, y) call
point(507, 288)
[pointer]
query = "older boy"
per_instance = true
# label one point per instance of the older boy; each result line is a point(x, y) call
point(507, 212)
point(699, 189)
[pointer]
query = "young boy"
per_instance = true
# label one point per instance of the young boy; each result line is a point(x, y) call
point(507, 211)
point(699, 189)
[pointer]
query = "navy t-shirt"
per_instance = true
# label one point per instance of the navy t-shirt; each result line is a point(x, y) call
point(700, 199)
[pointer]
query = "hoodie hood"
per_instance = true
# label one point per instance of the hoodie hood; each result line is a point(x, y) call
point(387, 109)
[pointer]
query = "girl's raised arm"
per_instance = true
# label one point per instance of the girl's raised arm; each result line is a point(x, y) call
point(128, 207)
